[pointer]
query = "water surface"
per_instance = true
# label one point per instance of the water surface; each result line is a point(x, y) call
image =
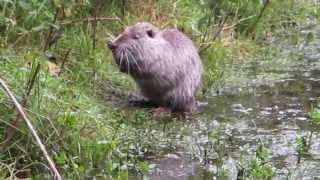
point(263, 102)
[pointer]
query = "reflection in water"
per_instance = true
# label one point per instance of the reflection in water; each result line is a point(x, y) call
point(266, 102)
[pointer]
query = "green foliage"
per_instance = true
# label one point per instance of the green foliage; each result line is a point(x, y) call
point(213, 60)
point(79, 114)
point(302, 145)
point(315, 115)
point(260, 171)
point(258, 167)
point(262, 153)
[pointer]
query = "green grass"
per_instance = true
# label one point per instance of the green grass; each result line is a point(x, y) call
point(76, 118)
point(83, 119)
point(82, 115)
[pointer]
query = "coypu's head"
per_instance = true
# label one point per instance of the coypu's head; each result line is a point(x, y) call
point(134, 46)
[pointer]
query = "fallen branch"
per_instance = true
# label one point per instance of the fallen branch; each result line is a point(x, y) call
point(30, 126)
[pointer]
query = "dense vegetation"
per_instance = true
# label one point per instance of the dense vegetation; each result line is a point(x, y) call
point(53, 57)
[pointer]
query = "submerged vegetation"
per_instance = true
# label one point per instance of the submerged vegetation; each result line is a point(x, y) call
point(53, 57)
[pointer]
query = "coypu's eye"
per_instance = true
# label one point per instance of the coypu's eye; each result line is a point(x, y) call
point(151, 33)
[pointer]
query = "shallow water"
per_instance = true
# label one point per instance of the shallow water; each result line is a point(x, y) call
point(263, 102)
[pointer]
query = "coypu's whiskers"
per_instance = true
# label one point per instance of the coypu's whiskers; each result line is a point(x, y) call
point(135, 61)
point(127, 61)
point(139, 50)
point(121, 58)
point(135, 48)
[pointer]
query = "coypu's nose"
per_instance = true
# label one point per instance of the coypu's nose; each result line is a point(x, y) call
point(111, 45)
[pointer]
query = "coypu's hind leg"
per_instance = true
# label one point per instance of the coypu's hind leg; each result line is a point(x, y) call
point(137, 99)
point(182, 104)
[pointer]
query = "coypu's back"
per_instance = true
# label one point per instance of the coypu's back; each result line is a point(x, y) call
point(165, 64)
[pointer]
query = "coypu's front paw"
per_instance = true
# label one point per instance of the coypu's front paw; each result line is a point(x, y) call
point(137, 99)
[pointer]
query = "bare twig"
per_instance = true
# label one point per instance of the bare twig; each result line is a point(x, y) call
point(206, 32)
point(66, 55)
point(123, 9)
point(32, 80)
point(10, 132)
point(10, 169)
point(13, 127)
point(62, 23)
point(206, 45)
point(97, 9)
point(24, 169)
point(90, 19)
point(49, 36)
point(253, 27)
point(221, 25)
point(221, 28)
point(32, 129)
point(235, 24)
point(94, 31)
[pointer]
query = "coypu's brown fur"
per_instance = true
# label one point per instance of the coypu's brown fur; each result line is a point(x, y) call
point(164, 63)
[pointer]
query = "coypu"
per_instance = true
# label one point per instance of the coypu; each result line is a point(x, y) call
point(164, 63)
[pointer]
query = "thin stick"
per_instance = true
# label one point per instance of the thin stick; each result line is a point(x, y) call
point(97, 8)
point(123, 9)
point(33, 131)
point(46, 45)
point(238, 22)
point(221, 25)
point(64, 61)
point(10, 132)
point(89, 19)
point(64, 23)
point(254, 25)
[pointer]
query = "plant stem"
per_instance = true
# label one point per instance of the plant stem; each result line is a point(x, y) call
point(32, 129)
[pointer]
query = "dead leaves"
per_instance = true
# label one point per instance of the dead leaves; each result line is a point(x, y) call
point(56, 62)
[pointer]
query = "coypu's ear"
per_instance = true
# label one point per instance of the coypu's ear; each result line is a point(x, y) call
point(151, 33)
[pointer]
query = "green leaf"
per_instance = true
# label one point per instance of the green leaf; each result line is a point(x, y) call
point(315, 115)
point(61, 158)
point(309, 38)
point(262, 153)
point(70, 120)
point(24, 5)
